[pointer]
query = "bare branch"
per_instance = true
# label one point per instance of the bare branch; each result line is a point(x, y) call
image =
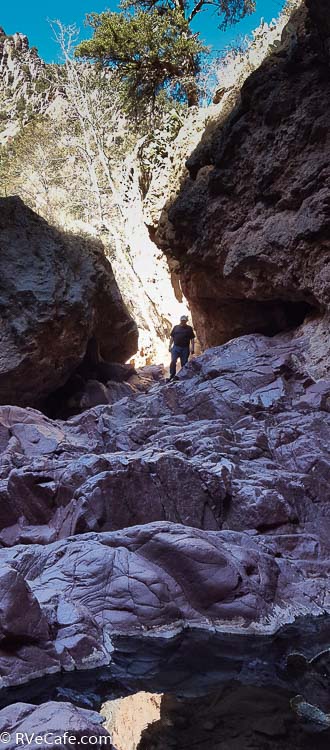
point(196, 10)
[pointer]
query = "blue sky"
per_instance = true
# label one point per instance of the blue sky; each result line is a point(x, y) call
point(30, 18)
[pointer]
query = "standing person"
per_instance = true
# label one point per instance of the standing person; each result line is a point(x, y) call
point(182, 342)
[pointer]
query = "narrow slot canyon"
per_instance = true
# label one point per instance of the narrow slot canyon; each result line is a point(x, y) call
point(164, 541)
point(97, 381)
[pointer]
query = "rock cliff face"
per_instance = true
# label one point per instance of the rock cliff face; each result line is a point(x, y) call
point(57, 292)
point(27, 86)
point(251, 225)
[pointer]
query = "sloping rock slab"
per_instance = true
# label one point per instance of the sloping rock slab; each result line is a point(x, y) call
point(66, 602)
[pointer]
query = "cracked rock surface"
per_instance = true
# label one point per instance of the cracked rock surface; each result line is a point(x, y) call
point(240, 441)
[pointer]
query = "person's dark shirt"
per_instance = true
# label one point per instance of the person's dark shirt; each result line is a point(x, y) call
point(182, 335)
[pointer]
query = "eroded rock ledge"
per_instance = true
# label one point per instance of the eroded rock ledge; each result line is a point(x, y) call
point(250, 227)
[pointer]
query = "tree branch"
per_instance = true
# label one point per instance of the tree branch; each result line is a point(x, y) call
point(196, 10)
point(180, 5)
point(199, 7)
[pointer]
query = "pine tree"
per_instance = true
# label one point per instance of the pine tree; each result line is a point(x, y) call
point(151, 45)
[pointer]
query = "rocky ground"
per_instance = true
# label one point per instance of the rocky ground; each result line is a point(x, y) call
point(220, 482)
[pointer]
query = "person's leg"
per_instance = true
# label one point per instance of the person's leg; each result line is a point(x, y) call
point(174, 357)
point(184, 355)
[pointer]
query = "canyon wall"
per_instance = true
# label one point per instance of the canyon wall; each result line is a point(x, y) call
point(27, 86)
point(250, 226)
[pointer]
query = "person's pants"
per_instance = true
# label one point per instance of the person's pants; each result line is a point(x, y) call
point(177, 352)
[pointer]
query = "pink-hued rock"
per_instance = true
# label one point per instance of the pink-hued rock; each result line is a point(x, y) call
point(52, 725)
point(155, 580)
point(231, 465)
point(234, 443)
point(57, 292)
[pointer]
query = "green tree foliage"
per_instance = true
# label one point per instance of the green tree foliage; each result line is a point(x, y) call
point(228, 11)
point(151, 45)
point(31, 165)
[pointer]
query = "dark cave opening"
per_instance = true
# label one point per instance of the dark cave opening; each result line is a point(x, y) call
point(218, 322)
point(284, 316)
point(93, 374)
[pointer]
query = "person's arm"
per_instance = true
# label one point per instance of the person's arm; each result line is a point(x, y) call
point(171, 342)
point(192, 343)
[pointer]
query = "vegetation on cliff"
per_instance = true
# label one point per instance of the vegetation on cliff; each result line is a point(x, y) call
point(77, 157)
point(152, 47)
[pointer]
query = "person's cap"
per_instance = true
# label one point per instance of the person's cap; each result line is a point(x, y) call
point(184, 317)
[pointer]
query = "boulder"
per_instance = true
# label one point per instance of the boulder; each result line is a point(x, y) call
point(105, 383)
point(57, 292)
point(52, 725)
